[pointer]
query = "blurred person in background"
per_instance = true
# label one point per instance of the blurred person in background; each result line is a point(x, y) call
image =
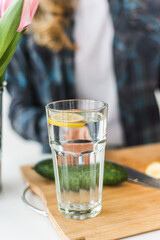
point(93, 49)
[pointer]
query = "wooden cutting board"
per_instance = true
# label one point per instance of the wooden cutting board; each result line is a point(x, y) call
point(128, 209)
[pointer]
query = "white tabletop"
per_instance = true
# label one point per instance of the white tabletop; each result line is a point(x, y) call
point(17, 221)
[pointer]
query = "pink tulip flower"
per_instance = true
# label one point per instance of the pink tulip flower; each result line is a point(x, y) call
point(28, 12)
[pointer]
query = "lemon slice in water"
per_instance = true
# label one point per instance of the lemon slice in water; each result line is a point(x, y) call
point(153, 170)
point(66, 119)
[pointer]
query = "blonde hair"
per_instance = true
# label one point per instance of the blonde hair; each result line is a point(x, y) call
point(49, 25)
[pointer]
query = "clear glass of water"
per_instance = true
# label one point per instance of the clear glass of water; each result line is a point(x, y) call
point(77, 137)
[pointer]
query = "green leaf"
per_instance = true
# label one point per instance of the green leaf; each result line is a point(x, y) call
point(9, 24)
point(7, 56)
point(2, 78)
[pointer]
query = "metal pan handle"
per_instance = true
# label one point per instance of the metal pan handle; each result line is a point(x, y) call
point(40, 211)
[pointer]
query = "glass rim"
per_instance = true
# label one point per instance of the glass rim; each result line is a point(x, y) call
point(105, 105)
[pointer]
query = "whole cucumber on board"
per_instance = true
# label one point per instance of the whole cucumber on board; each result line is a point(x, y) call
point(45, 168)
point(84, 176)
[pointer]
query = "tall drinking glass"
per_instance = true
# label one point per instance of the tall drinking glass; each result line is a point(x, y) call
point(77, 137)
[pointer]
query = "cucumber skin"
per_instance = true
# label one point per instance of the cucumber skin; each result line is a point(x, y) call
point(114, 174)
point(45, 169)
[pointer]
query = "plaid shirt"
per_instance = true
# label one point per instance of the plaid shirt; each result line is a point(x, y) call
point(37, 76)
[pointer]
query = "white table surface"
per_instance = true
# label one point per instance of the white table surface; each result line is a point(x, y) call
point(17, 221)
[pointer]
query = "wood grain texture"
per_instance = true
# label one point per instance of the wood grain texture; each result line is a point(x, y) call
point(128, 209)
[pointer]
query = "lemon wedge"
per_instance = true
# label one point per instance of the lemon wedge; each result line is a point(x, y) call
point(153, 170)
point(66, 119)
